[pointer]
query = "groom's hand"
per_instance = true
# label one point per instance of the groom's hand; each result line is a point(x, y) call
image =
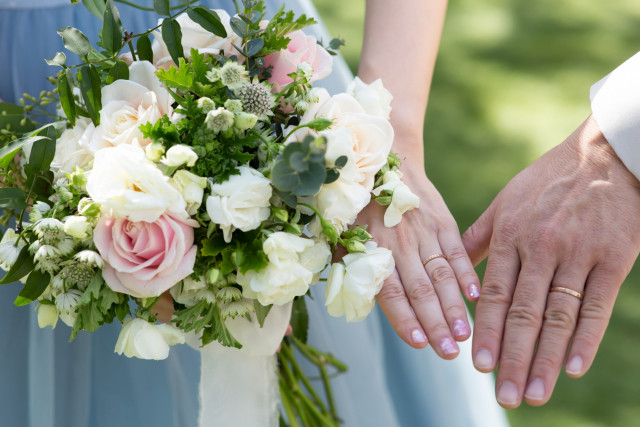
point(572, 220)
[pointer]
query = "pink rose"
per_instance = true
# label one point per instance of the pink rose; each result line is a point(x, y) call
point(145, 259)
point(301, 48)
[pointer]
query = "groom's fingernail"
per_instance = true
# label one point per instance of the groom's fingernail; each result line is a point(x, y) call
point(418, 337)
point(535, 390)
point(483, 360)
point(473, 291)
point(508, 394)
point(574, 366)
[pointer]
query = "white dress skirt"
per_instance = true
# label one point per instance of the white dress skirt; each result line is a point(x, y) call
point(47, 382)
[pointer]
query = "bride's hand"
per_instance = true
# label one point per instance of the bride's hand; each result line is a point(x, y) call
point(421, 298)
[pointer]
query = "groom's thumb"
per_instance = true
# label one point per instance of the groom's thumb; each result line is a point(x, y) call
point(477, 237)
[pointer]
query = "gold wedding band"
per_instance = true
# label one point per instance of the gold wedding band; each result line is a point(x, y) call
point(567, 291)
point(432, 257)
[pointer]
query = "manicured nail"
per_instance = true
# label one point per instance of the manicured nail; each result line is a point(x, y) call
point(461, 329)
point(418, 337)
point(574, 367)
point(483, 360)
point(473, 291)
point(448, 346)
point(535, 390)
point(508, 394)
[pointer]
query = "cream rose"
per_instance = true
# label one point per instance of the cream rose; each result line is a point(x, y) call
point(374, 98)
point(402, 200)
point(241, 202)
point(294, 262)
point(128, 185)
point(127, 104)
point(70, 153)
point(191, 187)
point(144, 340)
point(352, 286)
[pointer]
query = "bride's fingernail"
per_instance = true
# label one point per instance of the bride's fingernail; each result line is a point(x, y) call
point(483, 360)
point(461, 329)
point(574, 366)
point(473, 291)
point(418, 337)
point(448, 346)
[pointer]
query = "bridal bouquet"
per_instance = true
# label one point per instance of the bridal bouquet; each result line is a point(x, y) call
point(203, 168)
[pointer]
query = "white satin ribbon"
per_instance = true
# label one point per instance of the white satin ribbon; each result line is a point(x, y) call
point(239, 387)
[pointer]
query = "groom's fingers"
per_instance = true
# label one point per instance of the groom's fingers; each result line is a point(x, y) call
point(477, 237)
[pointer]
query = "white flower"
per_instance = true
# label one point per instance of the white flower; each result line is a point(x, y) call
point(49, 228)
point(89, 258)
point(352, 286)
point(38, 210)
point(305, 69)
point(293, 263)
point(179, 155)
point(233, 105)
point(76, 226)
point(219, 120)
point(70, 153)
point(69, 319)
point(144, 340)
point(228, 294)
point(233, 75)
point(46, 253)
point(206, 104)
point(374, 98)
point(66, 245)
point(244, 121)
point(403, 199)
point(154, 151)
point(185, 292)
point(66, 302)
point(127, 104)
point(128, 185)
point(191, 187)
point(10, 248)
point(237, 309)
point(47, 316)
point(241, 202)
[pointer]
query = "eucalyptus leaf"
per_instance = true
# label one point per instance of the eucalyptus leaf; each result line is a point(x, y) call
point(23, 266)
point(172, 36)
point(65, 92)
point(74, 40)
point(37, 282)
point(341, 161)
point(162, 7)
point(119, 71)
point(238, 27)
point(254, 46)
point(96, 7)
point(112, 28)
point(145, 53)
point(207, 19)
point(91, 92)
point(59, 59)
point(332, 176)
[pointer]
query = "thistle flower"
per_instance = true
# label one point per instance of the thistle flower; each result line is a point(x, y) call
point(237, 308)
point(257, 98)
point(233, 75)
point(228, 294)
point(213, 75)
point(219, 120)
point(10, 248)
point(77, 274)
point(233, 105)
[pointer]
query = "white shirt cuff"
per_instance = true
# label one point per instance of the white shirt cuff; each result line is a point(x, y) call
point(615, 104)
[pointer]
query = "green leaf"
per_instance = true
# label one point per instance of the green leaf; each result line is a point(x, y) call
point(23, 266)
point(13, 116)
point(341, 161)
point(332, 176)
point(198, 66)
point(74, 40)
point(42, 153)
point(112, 28)
point(144, 50)
point(172, 36)
point(254, 46)
point(12, 198)
point(96, 7)
point(214, 246)
point(261, 311)
point(179, 78)
point(60, 60)
point(109, 298)
point(8, 152)
point(283, 177)
point(37, 282)
point(162, 7)
point(300, 319)
point(91, 92)
point(93, 290)
point(207, 19)
point(65, 92)
point(119, 71)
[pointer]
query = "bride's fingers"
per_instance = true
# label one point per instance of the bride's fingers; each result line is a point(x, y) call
point(426, 304)
point(395, 305)
point(452, 247)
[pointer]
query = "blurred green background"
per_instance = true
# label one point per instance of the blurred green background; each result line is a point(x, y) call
point(512, 80)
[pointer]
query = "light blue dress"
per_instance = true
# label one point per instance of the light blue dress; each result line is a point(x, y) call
point(47, 382)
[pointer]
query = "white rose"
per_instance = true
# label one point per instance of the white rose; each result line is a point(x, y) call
point(69, 150)
point(128, 185)
point(352, 286)
point(191, 187)
point(179, 155)
point(47, 315)
point(127, 104)
point(293, 263)
point(403, 199)
point(241, 202)
point(76, 226)
point(196, 37)
point(374, 98)
point(139, 338)
point(10, 248)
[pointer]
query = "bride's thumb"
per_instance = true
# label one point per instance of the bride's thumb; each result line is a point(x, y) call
point(477, 237)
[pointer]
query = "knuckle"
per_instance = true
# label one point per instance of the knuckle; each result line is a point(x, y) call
point(392, 291)
point(457, 254)
point(557, 318)
point(495, 294)
point(524, 316)
point(595, 310)
point(548, 362)
point(422, 291)
point(507, 229)
point(441, 274)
